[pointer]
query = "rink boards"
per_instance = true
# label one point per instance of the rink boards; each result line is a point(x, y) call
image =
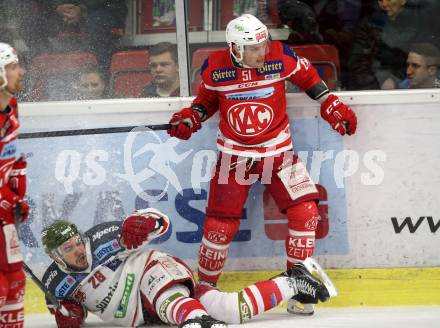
point(379, 186)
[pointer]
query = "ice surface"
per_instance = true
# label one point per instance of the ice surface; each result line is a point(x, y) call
point(371, 317)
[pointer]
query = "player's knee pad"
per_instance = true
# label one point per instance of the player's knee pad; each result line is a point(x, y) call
point(166, 302)
point(12, 312)
point(218, 234)
point(219, 230)
point(300, 242)
point(162, 273)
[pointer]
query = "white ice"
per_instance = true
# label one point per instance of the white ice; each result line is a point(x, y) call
point(371, 317)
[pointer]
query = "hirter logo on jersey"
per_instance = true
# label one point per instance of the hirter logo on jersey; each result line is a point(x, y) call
point(222, 75)
point(250, 118)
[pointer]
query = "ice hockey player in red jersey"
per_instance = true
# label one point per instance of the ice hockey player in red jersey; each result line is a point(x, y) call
point(245, 84)
point(110, 271)
point(12, 191)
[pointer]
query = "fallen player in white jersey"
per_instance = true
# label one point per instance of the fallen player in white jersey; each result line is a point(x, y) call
point(110, 271)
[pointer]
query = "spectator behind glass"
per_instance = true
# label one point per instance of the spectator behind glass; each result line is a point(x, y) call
point(330, 22)
point(65, 25)
point(91, 83)
point(105, 23)
point(382, 43)
point(87, 25)
point(19, 20)
point(301, 20)
point(164, 70)
point(422, 67)
point(258, 8)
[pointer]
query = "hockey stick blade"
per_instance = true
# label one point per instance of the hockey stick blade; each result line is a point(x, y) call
point(315, 268)
point(80, 132)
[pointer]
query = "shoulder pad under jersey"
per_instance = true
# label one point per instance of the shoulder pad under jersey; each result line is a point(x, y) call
point(104, 241)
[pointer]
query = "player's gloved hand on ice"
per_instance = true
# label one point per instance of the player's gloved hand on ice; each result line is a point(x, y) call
point(17, 180)
point(340, 116)
point(8, 202)
point(74, 317)
point(135, 229)
point(184, 123)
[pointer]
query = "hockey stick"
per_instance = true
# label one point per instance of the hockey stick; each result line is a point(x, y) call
point(51, 297)
point(79, 132)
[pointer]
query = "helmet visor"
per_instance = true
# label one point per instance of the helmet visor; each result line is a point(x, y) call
point(254, 55)
point(69, 246)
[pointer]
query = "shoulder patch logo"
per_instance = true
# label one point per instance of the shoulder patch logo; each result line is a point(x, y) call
point(108, 248)
point(64, 286)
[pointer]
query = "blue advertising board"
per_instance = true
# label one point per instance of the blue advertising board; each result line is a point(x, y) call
point(90, 179)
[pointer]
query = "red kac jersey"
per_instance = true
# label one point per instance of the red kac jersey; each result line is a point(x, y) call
point(8, 135)
point(10, 257)
point(252, 101)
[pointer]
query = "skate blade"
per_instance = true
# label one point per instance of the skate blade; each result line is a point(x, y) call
point(318, 272)
point(297, 308)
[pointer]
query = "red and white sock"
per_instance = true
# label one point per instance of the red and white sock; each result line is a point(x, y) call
point(241, 306)
point(174, 306)
point(263, 296)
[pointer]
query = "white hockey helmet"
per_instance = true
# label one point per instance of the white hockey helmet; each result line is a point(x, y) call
point(244, 31)
point(8, 55)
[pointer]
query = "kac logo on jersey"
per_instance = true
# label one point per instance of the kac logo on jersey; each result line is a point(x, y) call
point(250, 118)
point(64, 286)
point(222, 75)
point(108, 248)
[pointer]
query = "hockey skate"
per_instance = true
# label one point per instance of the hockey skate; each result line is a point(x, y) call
point(312, 284)
point(204, 321)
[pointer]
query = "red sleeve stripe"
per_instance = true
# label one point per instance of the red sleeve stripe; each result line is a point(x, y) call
point(270, 294)
point(253, 300)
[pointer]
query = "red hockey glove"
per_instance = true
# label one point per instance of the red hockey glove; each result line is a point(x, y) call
point(8, 202)
point(24, 210)
point(17, 180)
point(184, 123)
point(340, 116)
point(76, 317)
point(8, 199)
point(135, 230)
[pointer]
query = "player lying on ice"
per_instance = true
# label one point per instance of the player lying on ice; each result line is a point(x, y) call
point(109, 271)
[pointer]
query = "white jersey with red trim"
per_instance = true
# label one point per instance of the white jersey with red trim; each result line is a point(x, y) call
point(113, 284)
point(252, 101)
